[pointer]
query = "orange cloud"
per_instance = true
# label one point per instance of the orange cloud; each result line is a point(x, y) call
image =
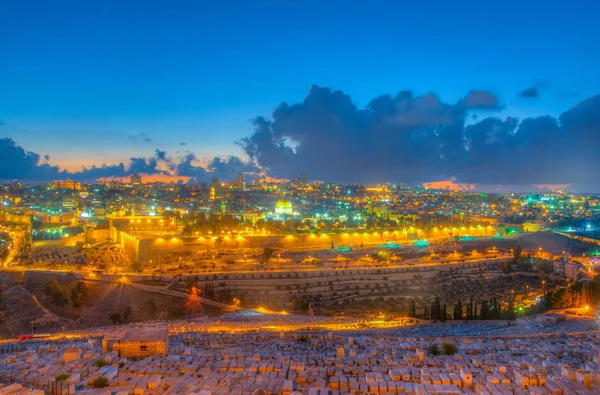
point(147, 178)
point(449, 185)
point(552, 187)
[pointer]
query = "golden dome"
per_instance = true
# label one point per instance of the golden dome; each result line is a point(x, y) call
point(283, 207)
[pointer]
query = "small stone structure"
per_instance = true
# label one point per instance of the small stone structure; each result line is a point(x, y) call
point(140, 343)
point(552, 317)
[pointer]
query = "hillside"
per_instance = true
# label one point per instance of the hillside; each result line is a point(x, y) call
point(25, 299)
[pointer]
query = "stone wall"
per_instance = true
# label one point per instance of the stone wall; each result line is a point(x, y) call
point(143, 349)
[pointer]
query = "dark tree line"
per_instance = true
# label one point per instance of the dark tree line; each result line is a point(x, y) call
point(487, 309)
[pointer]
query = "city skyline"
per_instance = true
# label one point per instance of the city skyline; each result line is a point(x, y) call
point(495, 98)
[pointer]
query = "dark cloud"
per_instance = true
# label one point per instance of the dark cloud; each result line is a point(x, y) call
point(530, 93)
point(25, 166)
point(228, 168)
point(533, 92)
point(187, 168)
point(140, 137)
point(18, 164)
point(395, 138)
point(224, 168)
point(479, 100)
point(407, 138)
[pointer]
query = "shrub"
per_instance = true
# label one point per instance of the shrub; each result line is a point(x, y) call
point(62, 377)
point(56, 292)
point(115, 318)
point(100, 363)
point(449, 349)
point(433, 350)
point(100, 382)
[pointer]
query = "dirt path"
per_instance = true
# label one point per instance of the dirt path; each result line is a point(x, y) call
point(44, 309)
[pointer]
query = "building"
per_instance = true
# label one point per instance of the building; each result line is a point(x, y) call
point(69, 185)
point(139, 343)
point(568, 269)
point(303, 179)
point(552, 317)
point(284, 207)
point(572, 270)
point(533, 226)
point(136, 179)
point(69, 202)
point(241, 182)
point(284, 210)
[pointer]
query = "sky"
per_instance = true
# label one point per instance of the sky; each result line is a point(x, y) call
point(92, 83)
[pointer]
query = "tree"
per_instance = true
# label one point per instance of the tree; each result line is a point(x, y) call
point(56, 292)
point(469, 311)
point(436, 311)
point(509, 314)
point(412, 309)
point(267, 253)
point(433, 349)
point(517, 251)
point(458, 315)
point(100, 382)
point(115, 318)
point(444, 314)
point(449, 349)
point(484, 310)
point(100, 363)
point(78, 293)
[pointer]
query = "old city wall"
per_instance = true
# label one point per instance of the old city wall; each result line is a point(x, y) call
point(281, 289)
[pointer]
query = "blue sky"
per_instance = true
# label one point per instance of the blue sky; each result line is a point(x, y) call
point(89, 81)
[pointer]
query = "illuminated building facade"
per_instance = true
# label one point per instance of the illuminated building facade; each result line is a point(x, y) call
point(136, 179)
point(284, 210)
point(67, 185)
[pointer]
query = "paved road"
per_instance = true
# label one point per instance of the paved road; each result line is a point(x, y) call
point(13, 252)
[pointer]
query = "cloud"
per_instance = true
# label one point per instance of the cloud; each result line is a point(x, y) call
point(223, 168)
point(183, 143)
point(479, 100)
point(403, 138)
point(18, 164)
point(408, 138)
point(533, 92)
point(140, 137)
point(530, 93)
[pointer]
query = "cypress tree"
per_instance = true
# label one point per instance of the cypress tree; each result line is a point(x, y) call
point(437, 312)
point(471, 309)
point(444, 313)
point(484, 310)
point(412, 309)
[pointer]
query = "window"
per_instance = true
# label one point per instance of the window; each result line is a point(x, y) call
point(143, 348)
